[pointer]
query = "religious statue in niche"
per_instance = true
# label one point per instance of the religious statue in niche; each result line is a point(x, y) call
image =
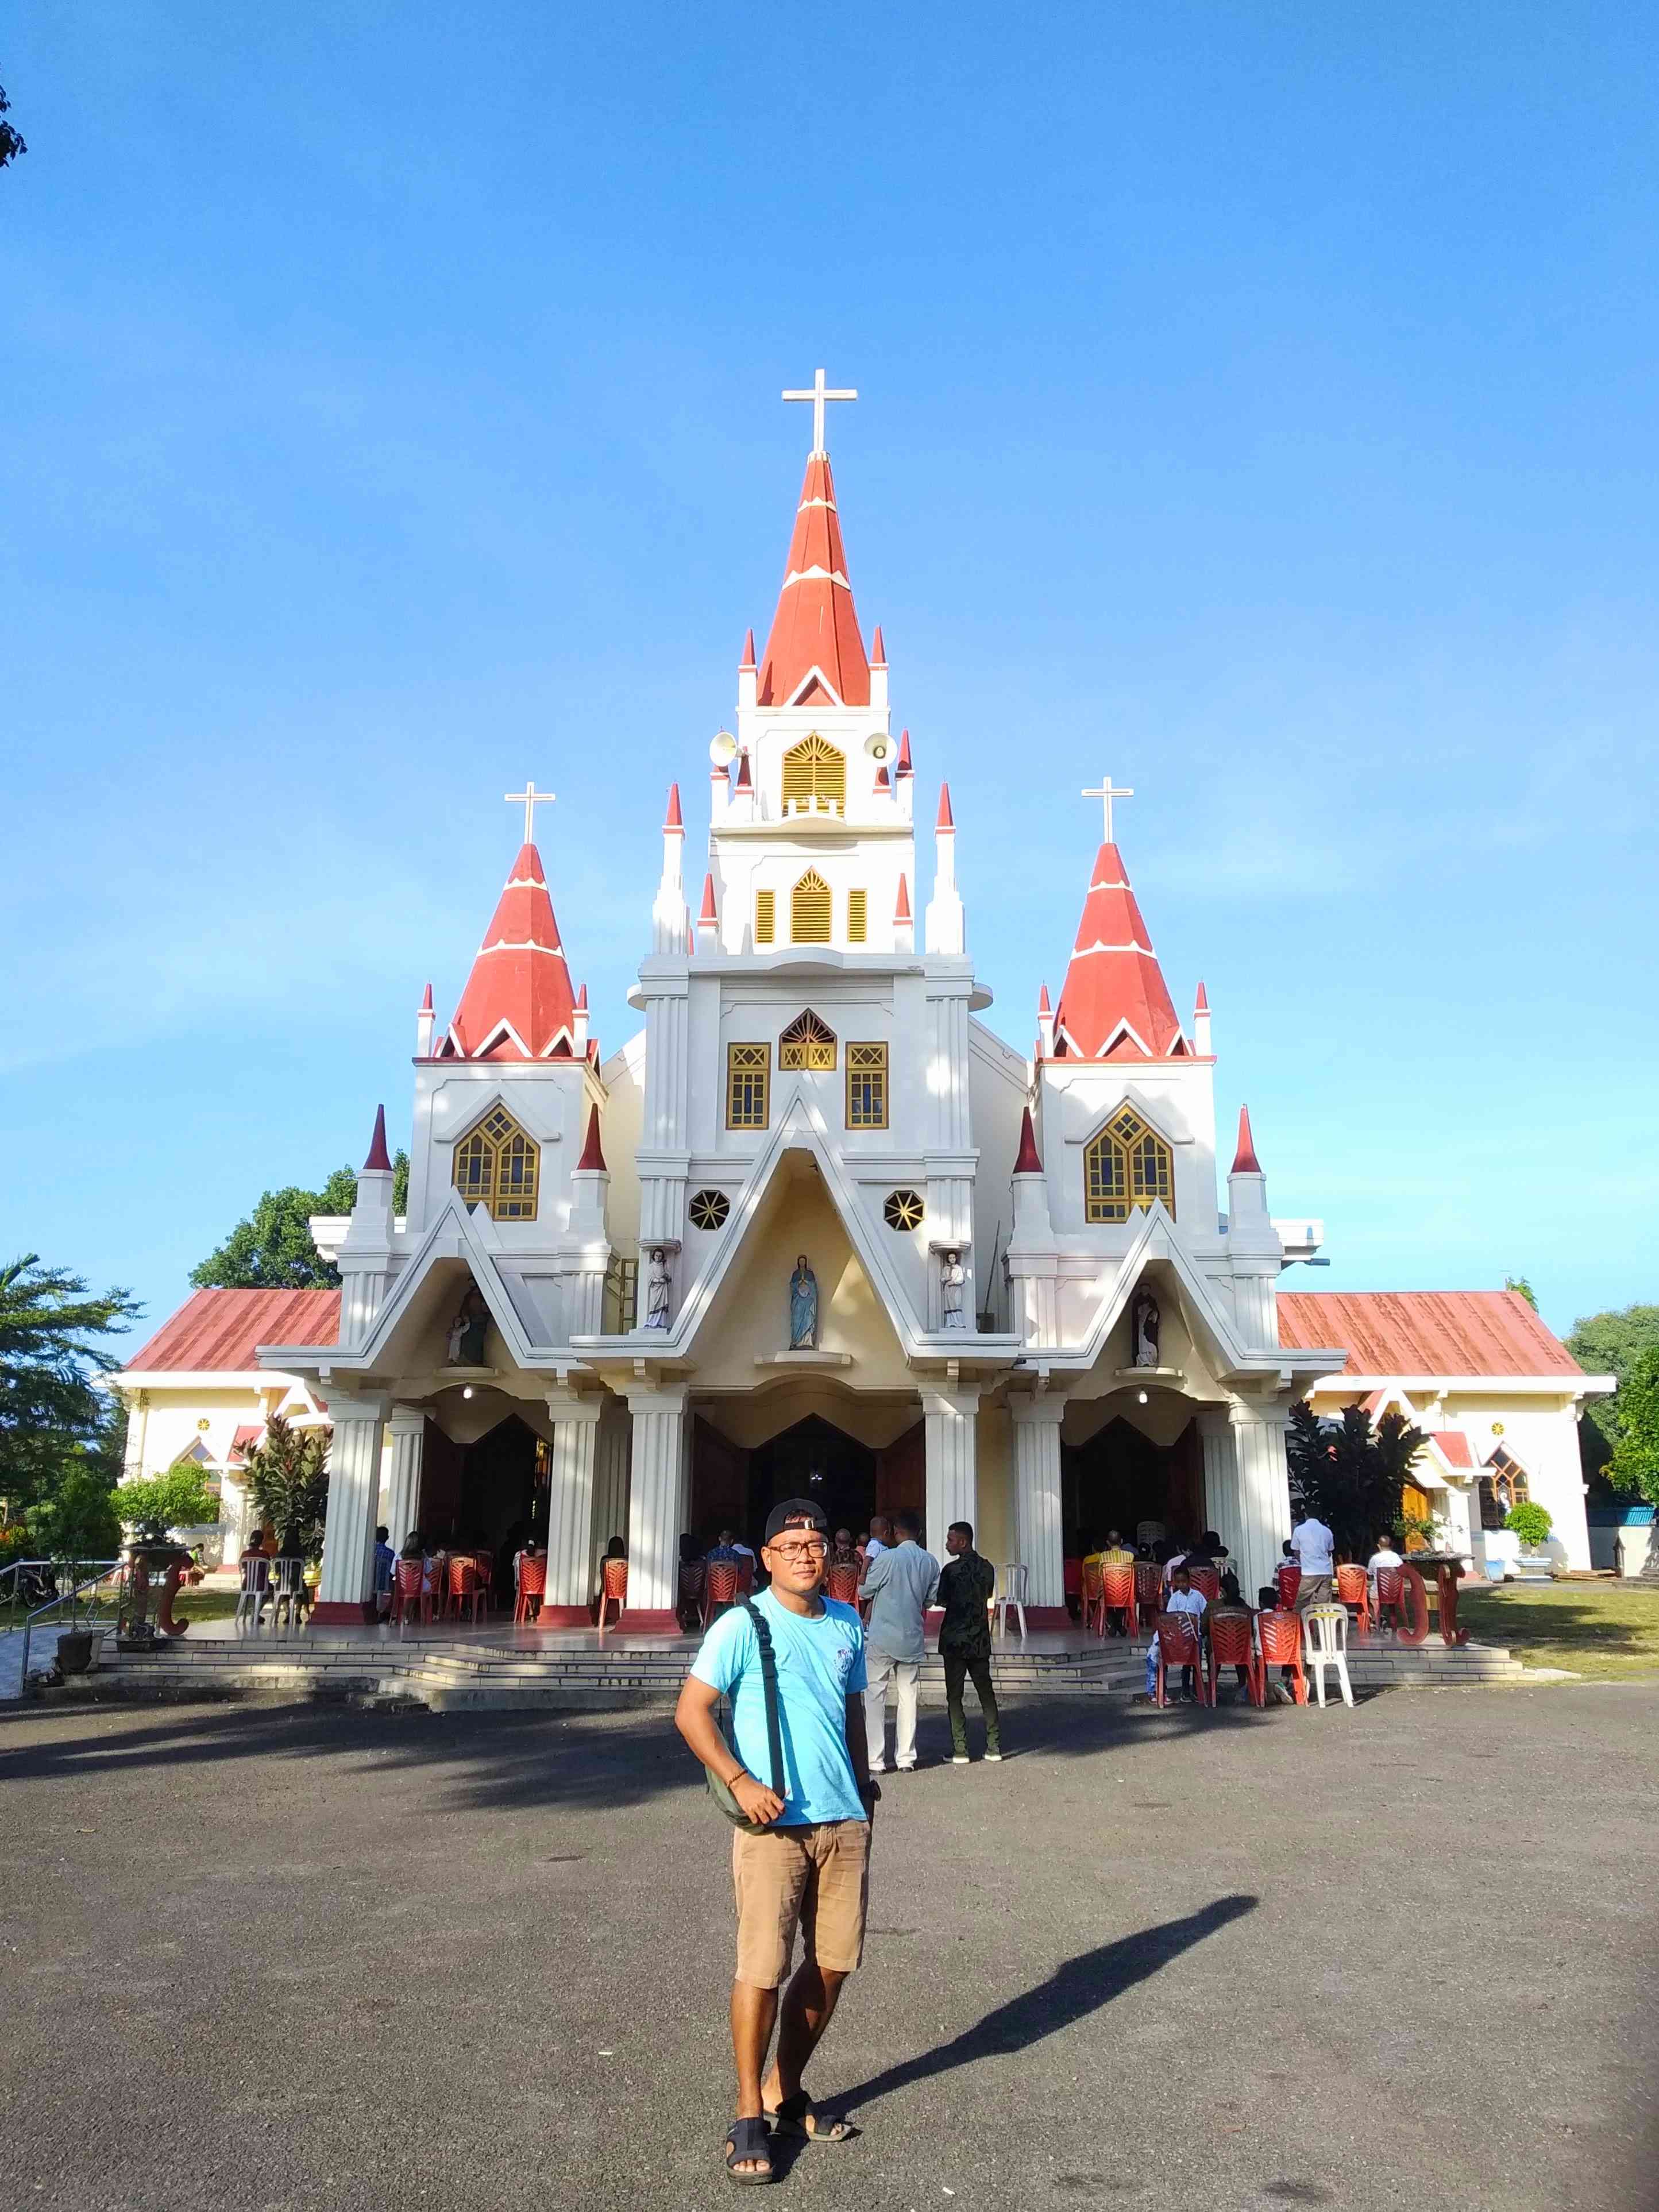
point(1142, 1328)
point(466, 1331)
point(657, 1289)
point(953, 1281)
point(803, 1307)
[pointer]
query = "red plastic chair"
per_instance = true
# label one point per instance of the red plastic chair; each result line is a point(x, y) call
point(1280, 1635)
point(1094, 1600)
point(1071, 1579)
point(437, 1592)
point(532, 1588)
point(466, 1585)
point(1117, 1594)
point(691, 1587)
point(1149, 1592)
point(1232, 1644)
point(406, 1596)
point(613, 1587)
point(841, 1583)
point(1207, 1580)
point(720, 1587)
point(1181, 1644)
point(1289, 1578)
point(746, 1577)
point(1353, 1589)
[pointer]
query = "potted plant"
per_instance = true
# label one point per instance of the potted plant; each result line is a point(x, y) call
point(1531, 1524)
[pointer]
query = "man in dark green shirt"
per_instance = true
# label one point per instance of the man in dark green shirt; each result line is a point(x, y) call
point(966, 1585)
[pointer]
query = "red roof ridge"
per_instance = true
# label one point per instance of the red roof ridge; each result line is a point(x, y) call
point(379, 1160)
point(592, 1152)
point(1244, 1159)
point(1030, 1160)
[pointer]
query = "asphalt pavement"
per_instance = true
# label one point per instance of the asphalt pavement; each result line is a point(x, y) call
point(286, 1957)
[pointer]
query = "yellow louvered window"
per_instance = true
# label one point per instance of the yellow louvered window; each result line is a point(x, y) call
point(747, 1069)
point(815, 776)
point(866, 1087)
point(1125, 1169)
point(766, 917)
point(496, 1165)
point(858, 917)
point(809, 910)
point(807, 1042)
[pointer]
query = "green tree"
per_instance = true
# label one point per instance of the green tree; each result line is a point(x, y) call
point(180, 1499)
point(1350, 1474)
point(51, 1414)
point(286, 1478)
point(1522, 1288)
point(82, 1522)
point(272, 1250)
point(1602, 1343)
point(11, 145)
point(1635, 1464)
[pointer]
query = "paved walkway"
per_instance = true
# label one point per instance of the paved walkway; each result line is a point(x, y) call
point(287, 1957)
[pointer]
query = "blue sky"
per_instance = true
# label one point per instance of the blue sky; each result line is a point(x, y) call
point(1257, 403)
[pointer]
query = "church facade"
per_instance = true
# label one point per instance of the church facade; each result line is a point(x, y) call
point(815, 1225)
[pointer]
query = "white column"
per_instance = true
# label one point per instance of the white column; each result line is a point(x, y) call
point(570, 1508)
point(952, 1430)
point(1036, 1494)
point(408, 1428)
point(345, 1591)
point(1222, 1508)
point(655, 1507)
point(1264, 1488)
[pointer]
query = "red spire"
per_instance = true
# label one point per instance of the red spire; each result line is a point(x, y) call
point(946, 819)
point(1030, 1161)
point(672, 820)
point(379, 1157)
point(1203, 1004)
point(904, 768)
point(707, 913)
point(877, 651)
point(581, 999)
point(1114, 979)
point(1244, 1160)
point(902, 906)
point(816, 625)
point(883, 781)
point(1042, 1000)
point(593, 1156)
point(744, 783)
point(426, 1003)
point(748, 660)
point(519, 976)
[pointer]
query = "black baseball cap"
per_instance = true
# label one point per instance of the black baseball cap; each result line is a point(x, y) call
point(795, 1513)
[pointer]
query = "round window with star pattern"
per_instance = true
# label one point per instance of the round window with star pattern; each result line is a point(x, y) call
point(904, 1209)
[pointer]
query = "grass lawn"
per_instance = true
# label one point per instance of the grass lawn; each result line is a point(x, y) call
point(1608, 1631)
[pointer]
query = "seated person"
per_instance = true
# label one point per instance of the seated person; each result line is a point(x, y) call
point(1117, 1553)
point(725, 1550)
point(1231, 1601)
point(1384, 1556)
point(1270, 1599)
point(842, 1552)
point(1182, 1598)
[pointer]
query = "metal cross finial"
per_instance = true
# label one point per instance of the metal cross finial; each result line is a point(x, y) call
point(530, 799)
point(818, 395)
point(1108, 791)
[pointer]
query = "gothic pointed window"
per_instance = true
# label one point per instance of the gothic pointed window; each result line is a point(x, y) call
point(496, 1165)
point(1125, 1169)
point(809, 910)
point(814, 777)
point(807, 1042)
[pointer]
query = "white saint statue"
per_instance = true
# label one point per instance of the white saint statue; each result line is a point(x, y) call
point(656, 1290)
point(952, 1278)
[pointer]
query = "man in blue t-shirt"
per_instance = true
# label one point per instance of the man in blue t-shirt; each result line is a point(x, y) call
point(806, 1865)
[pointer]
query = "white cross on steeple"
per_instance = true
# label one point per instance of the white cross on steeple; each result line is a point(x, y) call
point(1109, 792)
point(530, 799)
point(818, 395)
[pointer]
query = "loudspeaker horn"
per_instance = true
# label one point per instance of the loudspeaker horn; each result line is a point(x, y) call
point(722, 748)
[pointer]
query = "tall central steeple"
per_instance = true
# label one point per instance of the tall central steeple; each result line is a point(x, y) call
point(815, 654)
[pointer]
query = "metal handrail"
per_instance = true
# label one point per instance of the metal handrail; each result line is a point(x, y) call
point(104, 1568)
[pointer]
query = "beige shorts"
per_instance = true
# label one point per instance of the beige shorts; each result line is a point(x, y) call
point(815, 1879)
point(1316, 1589)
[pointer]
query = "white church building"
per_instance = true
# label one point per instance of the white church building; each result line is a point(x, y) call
point(816, 1227)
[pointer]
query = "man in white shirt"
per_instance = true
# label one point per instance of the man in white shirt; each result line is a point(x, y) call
point(1315, 1548)
point(1182, 1598)
point(1384, 1556)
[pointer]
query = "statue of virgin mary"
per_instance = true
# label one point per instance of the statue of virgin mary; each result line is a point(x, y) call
point(803, 1307)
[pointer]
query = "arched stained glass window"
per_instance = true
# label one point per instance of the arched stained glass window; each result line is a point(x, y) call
point(496, 1165)
point(1125, 1168)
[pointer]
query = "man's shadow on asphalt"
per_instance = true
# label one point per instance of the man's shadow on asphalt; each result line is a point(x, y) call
point(1070, 1993)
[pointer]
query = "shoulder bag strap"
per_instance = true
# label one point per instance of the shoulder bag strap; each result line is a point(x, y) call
point(770, 1686)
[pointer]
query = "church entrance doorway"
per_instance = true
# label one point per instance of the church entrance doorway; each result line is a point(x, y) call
point(814, 1459)
point(1120, 1478)
point(490, 1494)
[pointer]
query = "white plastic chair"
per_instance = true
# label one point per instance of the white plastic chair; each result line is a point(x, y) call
point(1325, 1644)
point(255, 1591)
point(288, 1582)
point(1015, 1579)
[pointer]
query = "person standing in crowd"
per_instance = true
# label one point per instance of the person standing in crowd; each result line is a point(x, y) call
point(967, 1584)
point(1315, 1548)
point(901, 1584)
point(803, 1862)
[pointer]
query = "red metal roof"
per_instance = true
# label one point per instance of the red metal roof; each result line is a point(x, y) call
point(518, 976)
point(1425, 1332)
point(816, 625)
point(1114, 977)
point(1455, 1448)
point(223, 1329)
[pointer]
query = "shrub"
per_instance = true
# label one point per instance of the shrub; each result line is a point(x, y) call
point(178, 1499)
point(1531, 1523)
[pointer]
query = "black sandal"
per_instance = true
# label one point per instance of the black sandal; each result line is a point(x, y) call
point(747, 2139)
point(792, 2115)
